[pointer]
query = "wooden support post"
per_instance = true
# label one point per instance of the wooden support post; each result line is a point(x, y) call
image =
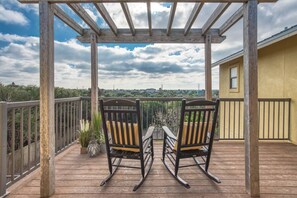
point(251, 122)
point(3, 147)
point(207, 49)
point(47, 102)
point(94, 76)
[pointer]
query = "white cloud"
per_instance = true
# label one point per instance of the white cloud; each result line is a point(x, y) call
point(15, 4)
point(12, 17)
point(173, 65)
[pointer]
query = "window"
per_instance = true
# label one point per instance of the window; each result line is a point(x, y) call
point(234, 78)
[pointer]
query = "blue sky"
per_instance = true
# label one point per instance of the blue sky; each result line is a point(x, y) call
point(125, 66)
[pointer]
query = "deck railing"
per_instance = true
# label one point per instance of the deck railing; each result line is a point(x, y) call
point(20, 129)
point(274, 118)
point(154, 111)
point(19, 125)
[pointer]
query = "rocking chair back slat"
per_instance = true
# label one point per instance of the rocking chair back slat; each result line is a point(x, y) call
point(127, 129)
point(196, 124)
point(192, 132)
point(122, 124)
point(132, 129)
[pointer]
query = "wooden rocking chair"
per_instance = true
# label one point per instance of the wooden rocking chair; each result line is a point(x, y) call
point(194, 139)
point(123, 136)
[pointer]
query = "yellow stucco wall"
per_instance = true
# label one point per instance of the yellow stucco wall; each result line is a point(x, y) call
point(277, 76)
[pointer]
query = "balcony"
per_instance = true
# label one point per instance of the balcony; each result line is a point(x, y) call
point(79, 175)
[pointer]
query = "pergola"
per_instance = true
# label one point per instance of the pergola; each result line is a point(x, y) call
point(94, 34)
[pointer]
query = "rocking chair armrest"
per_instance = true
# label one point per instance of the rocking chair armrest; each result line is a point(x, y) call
point(148, 134)
point(169, 133)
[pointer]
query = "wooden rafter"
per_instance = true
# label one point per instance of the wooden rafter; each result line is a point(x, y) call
point(232, 20)
point(149, 18)
point(144, 1)
point(67, 20)
point(158, 36)
point(128, 17)
point(105, 15)
point(215, 16)
point(171, 17)
point(82, 13)
point(192, 18)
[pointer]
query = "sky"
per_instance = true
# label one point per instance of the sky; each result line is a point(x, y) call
point(125, 66)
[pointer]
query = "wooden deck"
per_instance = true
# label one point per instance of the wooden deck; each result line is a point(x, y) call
point(79, 176)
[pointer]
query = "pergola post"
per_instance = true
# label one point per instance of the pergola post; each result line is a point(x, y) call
point(47, 103)
point(251, 122)
point(94, 75)
point(207, 49)
point(3, 147)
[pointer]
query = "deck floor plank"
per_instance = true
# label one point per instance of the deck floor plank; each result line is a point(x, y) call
point(79, 176)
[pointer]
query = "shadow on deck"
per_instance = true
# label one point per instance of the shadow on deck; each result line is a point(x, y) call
point(79, 176)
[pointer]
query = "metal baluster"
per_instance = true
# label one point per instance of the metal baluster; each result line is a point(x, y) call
point(13, 146)
point(22, 141)
point(29, 138)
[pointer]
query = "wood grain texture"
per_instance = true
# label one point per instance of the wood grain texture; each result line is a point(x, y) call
point(144, 1)
point(158, 36)
point(171, 17)
point(47, 108)
point(251, 120)
point(105, 15)
point(80, 176)
point(208, 77)
point(3, 147)
point(94, 76)
point(149, 18)
point(215, 16)
point(126, 11)
point(82, 13)
point(196, 10)
point(67, 20)
point(232, 20)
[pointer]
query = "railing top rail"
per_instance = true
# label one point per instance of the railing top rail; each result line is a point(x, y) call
point(259, 99)
point(150, 98)
point(32, 103)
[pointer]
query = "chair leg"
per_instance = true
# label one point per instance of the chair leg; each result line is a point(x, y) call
point(111, 173)
point(206, 172)
point(178, 178)
point(144, 176)
point(164, 147)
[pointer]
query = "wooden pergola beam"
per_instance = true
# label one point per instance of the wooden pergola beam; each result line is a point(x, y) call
point(232, 20)
point(144, 1)
point(105, 15)
point(197, 8)
point(215, 16)
point(149, 18)
point(67, 20)
point(171, 17)
point(158, 36)
point(82, 13)
point(128, 17)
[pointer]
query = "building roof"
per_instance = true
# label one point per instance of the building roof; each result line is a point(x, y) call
point(288, 32)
